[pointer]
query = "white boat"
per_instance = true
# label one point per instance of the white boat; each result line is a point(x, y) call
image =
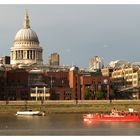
point(31, 113)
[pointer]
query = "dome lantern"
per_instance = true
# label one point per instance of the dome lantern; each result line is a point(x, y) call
point(26, 24)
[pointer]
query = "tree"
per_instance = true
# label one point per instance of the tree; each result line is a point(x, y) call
point(99, 95)
point(87, 93)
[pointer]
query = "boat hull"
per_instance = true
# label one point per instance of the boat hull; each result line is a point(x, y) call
point(30, 113)
point(92, 117)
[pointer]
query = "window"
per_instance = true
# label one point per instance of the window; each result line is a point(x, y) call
point(135, 82)
point(134, 76)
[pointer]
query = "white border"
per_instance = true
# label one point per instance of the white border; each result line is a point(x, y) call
point(69, 1)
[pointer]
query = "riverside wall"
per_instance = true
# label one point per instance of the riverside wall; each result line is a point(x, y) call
point(70, 106)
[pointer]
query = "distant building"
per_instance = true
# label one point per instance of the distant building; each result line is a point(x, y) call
point(5, 60)
point(95, 63)
point(124, 78)
point(135, 64)
point(130, 75)
point(107, 71)
point(119, 64)
point(53, 59)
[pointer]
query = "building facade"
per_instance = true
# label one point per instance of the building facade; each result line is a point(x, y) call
point(127, 81)
point(17, 86)
point(2, 82)
point(53, 59)
point(95, 63)
point(95, 87)
point(5, 60)
point(107, 71)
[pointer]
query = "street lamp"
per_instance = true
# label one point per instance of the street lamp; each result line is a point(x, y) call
point(107, 84)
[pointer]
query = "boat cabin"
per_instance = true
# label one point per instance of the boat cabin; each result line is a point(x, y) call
point(124, 113)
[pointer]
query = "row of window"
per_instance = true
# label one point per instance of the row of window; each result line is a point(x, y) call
point(33, 43)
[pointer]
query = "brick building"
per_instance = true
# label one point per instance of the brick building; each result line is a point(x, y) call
point(2, 82)
point(21, 84)
point(74, 83)
point(93, 85)
point(58, 82)
point(17, 85)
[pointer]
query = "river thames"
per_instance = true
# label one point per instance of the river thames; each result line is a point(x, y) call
point(63, 125)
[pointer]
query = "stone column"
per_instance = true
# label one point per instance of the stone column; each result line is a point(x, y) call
point(41, 55)
point(29, 54)
point(36, 54)
point(26, 54)
point(32, 54)
point(20, 54)
point(12, 55)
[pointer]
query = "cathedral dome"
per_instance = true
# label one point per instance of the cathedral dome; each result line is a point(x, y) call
point(26, 49)
point(26, 34)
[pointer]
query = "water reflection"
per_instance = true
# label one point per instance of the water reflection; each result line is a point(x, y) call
point(111, 124)
point(63, 124)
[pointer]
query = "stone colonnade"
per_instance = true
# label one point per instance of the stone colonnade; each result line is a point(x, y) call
point(26, 54)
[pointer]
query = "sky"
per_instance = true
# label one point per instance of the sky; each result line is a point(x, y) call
point(76, 32)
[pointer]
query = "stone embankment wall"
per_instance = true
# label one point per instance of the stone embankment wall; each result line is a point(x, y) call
point(71, 106)
point(70, 102)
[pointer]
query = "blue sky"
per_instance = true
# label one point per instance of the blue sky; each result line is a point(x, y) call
point(77, 32)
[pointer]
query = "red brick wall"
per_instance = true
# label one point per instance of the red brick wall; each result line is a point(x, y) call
point(91, 80)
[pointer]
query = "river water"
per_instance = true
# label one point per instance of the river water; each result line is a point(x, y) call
point(63, 125)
